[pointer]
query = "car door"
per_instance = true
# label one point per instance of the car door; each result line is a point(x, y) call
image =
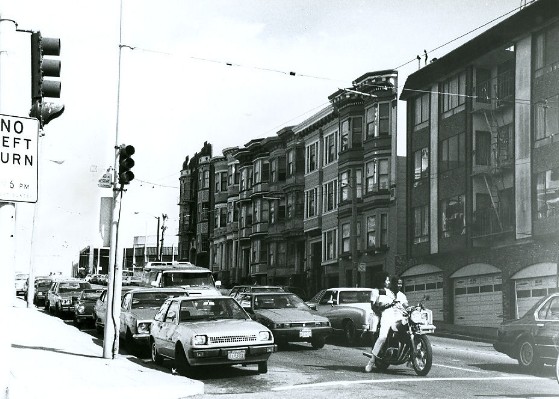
point(158, 323)
point(168, 328)
point(101, 308)
point(547, 328)
point(125, 312)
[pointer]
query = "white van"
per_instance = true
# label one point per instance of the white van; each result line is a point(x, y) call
point(198, 281)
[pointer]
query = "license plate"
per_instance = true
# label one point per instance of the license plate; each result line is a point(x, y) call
point(305, 333)
point(236, 355)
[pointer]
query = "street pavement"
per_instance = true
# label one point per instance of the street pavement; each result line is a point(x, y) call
point(52, 359)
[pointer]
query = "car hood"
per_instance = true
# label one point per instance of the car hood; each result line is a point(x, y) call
point(219, 327)
point(144, 314)
point(289, 315)
point(201, 291)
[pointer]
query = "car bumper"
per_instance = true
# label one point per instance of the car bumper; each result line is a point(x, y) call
point(82, 316)
point(504, 347)
point(301, 334)
point(214, 356)
point(66, 308)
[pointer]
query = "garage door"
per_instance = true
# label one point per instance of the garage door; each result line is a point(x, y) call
point(478, 300)
point(531, 290)
point(416, 287)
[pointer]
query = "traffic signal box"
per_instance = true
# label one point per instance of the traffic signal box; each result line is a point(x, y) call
point(126, 163)
point(42, 67)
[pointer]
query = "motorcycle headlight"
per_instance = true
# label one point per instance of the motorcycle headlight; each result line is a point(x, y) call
point(264, 336)
point(416, 316)
point(143, 327)
point(200, 340)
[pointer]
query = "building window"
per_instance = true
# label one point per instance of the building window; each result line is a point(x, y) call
point(271, 254)
point(206, 179)
point(421, 164)
point(453, 92)
point(546, 52)
point(346, 240)
point(547, 118)
point(421, 109)
point(378, 120)
point(290, 162)
point(547, 192)
point(505, 143)
point(222, 217)
point(483, 148)
point(311, 203)
point(273, 211)
point(420, 224)
point(344, 136)
point(371, 231)
point(274, 171)
point(377, 176)
point(329, 245)
point(330, 148)
point(383, 230)
point(233, 174)
point(344, 186)
point(281, 254)
point(452, 221)
point(312, 157)
point(330, 196)
point(451, 153)
point(359, 183)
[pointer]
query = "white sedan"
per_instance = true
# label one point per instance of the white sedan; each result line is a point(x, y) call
point(208, 331)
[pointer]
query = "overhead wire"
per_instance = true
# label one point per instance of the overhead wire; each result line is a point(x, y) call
point(293, 73)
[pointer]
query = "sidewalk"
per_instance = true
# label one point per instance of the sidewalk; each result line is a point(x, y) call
point(52, 359)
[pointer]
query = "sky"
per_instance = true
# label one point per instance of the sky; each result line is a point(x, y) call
point(176, 91)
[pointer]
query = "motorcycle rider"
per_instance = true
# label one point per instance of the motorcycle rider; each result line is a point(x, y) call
point(390, 301)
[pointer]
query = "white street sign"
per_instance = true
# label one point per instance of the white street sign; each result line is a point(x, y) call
point(19, 158)
point(105, 181)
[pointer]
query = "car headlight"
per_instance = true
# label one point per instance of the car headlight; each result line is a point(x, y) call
point(81, 308)
point(264, 336)
point(143, 327)
point(416, 316)
point(200, 340)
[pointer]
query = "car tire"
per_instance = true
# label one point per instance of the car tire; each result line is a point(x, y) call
point(47, 306)
point(527, 358)
point(155, 357)
point(181, 362)
point(318, 342)
point(263, 367)
point(77, 323)
point(57, 311)
point(349, 332)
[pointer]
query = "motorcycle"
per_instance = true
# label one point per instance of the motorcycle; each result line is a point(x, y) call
point(409, 344)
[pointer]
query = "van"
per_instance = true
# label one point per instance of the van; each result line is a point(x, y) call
point(198, 281)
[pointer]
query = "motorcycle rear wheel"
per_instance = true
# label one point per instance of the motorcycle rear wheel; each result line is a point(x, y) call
point(422, 355)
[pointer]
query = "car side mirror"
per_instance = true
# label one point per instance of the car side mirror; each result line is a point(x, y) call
point(312, 306)
point(218, 284)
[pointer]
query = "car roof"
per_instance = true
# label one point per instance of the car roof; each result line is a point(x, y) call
point(185, 297)
point(351, 289)
point(259, 286)
point(160, 289)
point(276, 293)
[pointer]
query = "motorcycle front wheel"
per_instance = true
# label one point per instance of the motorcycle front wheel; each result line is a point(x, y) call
point(422, 355)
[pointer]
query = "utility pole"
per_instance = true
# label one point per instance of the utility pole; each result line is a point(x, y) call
point(163, 228)
point(158, 257)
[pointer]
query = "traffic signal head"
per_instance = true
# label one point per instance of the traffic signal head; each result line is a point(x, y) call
point(125, 162)
point(44, 67)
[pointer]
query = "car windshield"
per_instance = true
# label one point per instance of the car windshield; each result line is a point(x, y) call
point(182, 278)
point(286, 301)
point(211, 309)
point(43, 283)
point(355, 297)
point(21, 276)
point(142, 300)
point(73, 287)
point(91, 294)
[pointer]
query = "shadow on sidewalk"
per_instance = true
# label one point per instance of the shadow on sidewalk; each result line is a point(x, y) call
point(44, 348)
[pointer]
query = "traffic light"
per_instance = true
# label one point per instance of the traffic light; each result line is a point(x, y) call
point(125, 162)
point(45, 67)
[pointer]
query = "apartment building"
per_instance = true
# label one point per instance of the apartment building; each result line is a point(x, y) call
point(483, 172)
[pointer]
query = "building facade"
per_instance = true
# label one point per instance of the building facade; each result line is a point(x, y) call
point(483, 172)
point(313, 206)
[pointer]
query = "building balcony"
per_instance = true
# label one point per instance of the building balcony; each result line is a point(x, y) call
point(496, 92)
point(487, 224)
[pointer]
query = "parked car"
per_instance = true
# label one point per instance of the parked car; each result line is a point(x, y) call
point(195, 331)
point(63, 294)
point(237, 290)
point(196, 280)
point(100, 308)
point(42, 285)
point(349, 311)
point(288, 317)
point(530, 339)
point(139, 306)
point(20, 280)
point(83, 308)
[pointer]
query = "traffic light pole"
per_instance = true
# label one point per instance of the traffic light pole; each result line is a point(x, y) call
point(114, 286)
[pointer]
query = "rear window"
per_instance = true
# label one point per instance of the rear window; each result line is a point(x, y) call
point(355, 296)
point(72, 287)
point(182, 278)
